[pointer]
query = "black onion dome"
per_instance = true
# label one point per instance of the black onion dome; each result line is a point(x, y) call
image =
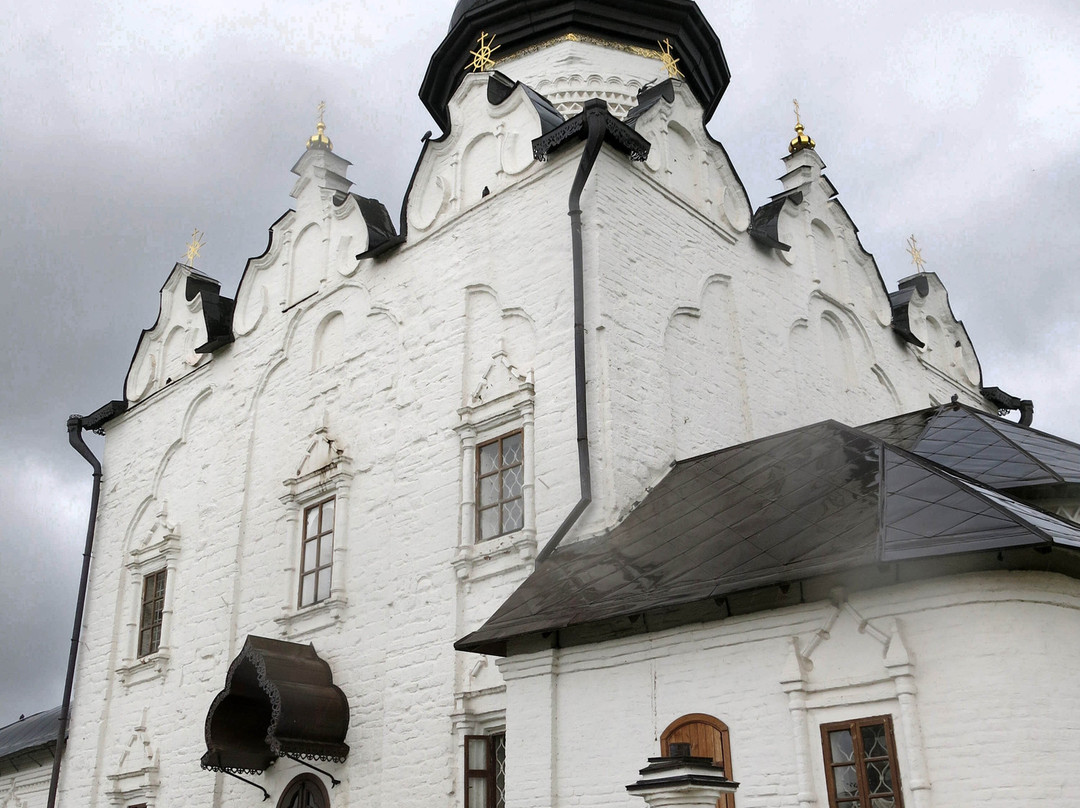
point(462, 8)
point(518, 24)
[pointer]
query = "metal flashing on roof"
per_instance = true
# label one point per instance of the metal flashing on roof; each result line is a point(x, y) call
point(900, 302)
point(765, 224)
point(648, 98)
point(501, 87)
point(792, 507)
point(380, 227)
point(217, 310)
point(279, 699)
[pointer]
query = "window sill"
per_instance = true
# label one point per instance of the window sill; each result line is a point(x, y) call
point(298, 623)
point(489, 557)
point(144, 669)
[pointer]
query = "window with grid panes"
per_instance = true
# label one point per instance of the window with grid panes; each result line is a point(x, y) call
point(500, 470)
point(485, 771)
point(153, 609)
point(860, 764)
point(317, 553)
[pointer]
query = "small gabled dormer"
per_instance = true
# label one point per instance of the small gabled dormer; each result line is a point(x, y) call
point(326, 238)
point(923, 318)
point(809, 229)
point(193, 322)
point(487, 150)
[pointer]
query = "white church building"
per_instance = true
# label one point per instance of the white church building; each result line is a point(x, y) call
point(667, 501)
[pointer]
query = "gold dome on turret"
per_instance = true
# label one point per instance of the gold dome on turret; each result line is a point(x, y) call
point(319, 140)
point(801, 140)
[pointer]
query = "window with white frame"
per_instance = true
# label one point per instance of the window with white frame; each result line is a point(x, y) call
point(500, 476)
point(152, 614)
point(150, 594)
point(317, 553)
point(316, 515)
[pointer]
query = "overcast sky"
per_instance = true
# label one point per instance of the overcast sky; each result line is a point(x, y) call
point(123, 125)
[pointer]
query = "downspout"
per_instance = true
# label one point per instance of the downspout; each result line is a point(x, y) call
point(75, 426)
point(596, 128)
point(1003, 401)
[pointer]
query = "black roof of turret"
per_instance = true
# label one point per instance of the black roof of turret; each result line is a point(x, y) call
point(520, 23)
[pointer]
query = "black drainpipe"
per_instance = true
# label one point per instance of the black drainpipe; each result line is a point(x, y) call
point(595, 126)
point(75, 426)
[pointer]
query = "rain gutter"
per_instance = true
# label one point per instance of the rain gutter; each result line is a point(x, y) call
point(75, 426)
point(598, 126)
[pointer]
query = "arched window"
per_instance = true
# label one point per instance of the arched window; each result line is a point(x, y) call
point(305, 791)
point(708, 737)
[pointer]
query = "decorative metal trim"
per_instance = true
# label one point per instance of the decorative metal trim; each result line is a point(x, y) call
point(648, 53)
point(210, 767)
point(334, 782)
point(619, 134)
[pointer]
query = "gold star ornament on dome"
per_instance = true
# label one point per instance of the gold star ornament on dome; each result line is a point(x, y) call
point(193, 248)
point(671, 64)
point(916, 254)
point(482, 56)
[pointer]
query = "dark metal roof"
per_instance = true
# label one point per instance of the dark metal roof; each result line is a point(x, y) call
point(520, 23)
point(27, 734)
point(900, 303)
point(279, 699)
point(794, 506)
point(501, 87)
point(992, 450)
point(380, 227)
point(217, 310)
point(648, 98)
point(765, 226)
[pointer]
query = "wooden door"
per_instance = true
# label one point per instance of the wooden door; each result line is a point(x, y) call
point(708, 738)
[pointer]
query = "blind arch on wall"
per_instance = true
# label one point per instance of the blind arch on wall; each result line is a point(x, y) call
point(709, 738)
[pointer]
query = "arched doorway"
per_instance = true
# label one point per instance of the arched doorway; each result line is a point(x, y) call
point(709, 738)
point(305, 791)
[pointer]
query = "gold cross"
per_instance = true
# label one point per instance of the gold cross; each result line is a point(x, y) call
point(482, 56)
point(321, 108)
point(916, 254)
point(194, 247)
point(671, 64)
point(798, 120)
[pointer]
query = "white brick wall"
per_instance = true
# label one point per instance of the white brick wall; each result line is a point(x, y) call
point(987, 652)
point(690, 347)
point(27, 787)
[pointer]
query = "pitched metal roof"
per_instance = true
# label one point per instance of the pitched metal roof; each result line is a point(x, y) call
point(794, 506)
point(992, 450)
point(33, 732)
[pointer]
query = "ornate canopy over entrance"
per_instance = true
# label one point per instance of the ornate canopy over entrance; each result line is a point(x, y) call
point(279, 700)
